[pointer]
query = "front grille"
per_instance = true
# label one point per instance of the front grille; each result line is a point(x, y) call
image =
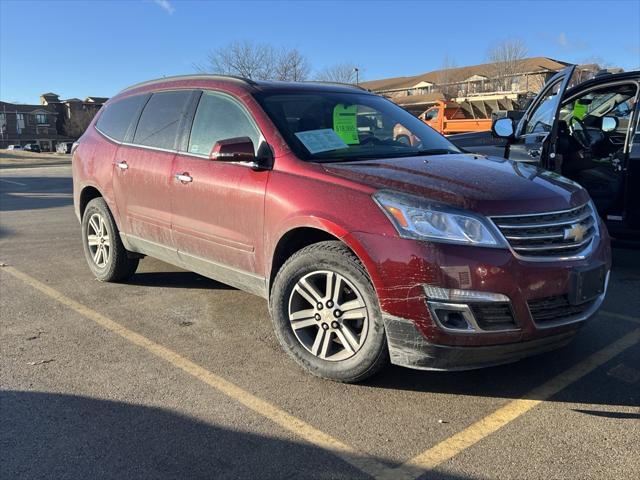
point(550, 309)
point(555, 234)
point(493, 315)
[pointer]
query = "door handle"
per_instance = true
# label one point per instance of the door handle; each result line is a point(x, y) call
point(122, 165)
point(184, 177)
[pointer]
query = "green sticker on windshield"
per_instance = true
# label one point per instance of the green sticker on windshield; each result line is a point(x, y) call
point(345, 123)
point(579, 110)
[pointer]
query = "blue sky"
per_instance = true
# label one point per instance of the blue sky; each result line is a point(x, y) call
point(81, 48)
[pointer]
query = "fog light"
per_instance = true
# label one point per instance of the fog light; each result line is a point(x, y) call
point(452, 319)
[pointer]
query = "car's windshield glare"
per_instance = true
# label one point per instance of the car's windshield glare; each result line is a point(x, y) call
point(335, 126)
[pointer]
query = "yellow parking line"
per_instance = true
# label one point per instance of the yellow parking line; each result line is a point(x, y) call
point(619, 316)
point(287, 421)
point(452, 446)
point(409, 470)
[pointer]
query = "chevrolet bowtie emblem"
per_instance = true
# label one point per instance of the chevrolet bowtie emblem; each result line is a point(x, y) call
point(575, 233)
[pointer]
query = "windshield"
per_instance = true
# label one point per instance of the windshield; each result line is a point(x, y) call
point(612, 101)
point(335, 126)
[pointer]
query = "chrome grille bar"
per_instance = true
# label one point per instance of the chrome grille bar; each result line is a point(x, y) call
point(563, 234)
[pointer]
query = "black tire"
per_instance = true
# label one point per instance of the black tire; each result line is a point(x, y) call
point(118, 265)
point(331, 256)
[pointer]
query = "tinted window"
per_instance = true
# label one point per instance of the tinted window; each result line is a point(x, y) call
point(116, 117)
point(335, 126)
point(160, 119)
point(219, 117)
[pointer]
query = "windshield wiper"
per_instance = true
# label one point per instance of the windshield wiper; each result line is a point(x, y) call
point(436, 151)
point(427, 151)
point(416, 153)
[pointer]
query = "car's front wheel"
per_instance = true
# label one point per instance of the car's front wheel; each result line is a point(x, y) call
point(107, 258)
point(326, 315)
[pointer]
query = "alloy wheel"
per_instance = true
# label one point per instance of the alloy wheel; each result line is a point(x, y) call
point(328, 315)
point(98, 240)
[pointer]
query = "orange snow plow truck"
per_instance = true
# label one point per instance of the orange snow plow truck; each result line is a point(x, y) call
point(451, 117)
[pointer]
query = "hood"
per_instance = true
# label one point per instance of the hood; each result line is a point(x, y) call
point(487, 185)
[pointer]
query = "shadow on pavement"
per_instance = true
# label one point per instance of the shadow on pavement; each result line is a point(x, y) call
point(620, 415)
point(33, 193)
point(181, 279)
point(517, 380)
point(50, 163)
point(46, 435)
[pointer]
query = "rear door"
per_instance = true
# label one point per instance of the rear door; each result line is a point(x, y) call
point(537, 130)
point(218, 207)
point(143, 164)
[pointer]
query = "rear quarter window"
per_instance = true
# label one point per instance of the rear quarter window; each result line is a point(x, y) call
point(114, 121)
point(160, 119)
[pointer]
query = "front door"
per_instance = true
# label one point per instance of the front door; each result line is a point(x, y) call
point(218, 207)
point(535, 134)
point(142, 176)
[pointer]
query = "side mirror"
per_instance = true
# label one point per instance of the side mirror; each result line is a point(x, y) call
point(503, 128)
point(609, 124)
point(238, 149)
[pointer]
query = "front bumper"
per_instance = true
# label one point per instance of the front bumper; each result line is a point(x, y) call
point(409, 348)
point(401, 268)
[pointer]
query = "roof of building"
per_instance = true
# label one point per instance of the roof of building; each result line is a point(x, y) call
point(96, 99)
point(460, 74)
point(6, 107)
point(430, 97)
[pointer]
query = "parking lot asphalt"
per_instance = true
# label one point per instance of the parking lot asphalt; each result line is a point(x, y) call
point(172, 375)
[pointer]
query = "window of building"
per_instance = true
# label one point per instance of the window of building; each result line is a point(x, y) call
point(219, 117)
point(41, 118)
point(19, 122)
point(160, 119)
point(3, 123)
point(117, 117)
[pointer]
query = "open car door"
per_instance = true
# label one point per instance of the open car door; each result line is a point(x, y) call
point(533, 139)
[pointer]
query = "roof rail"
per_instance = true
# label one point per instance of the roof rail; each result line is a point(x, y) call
point(338, 84)
point(196, 76)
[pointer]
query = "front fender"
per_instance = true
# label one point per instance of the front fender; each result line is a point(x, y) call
point(332, 228)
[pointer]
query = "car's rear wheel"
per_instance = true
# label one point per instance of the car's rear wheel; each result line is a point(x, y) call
point(326, 315)
point(107, 258)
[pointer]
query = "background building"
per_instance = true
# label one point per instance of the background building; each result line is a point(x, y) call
point(46, 124)
point(500, 80)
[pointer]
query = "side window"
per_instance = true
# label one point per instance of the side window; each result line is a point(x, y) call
point(543, 117)
point(219, 117)
point(431, 114)
point(160, 119)
point(117, 117)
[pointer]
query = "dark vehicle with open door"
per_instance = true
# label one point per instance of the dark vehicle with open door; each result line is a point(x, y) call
point(588, 133)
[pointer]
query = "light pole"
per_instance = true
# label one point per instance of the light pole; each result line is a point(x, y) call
point(355, 69)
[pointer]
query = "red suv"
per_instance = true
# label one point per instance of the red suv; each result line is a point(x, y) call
point(368, 247)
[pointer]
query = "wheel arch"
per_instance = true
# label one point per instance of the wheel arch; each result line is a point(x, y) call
point(87, 194)
point(299, 237)
point(90, 192)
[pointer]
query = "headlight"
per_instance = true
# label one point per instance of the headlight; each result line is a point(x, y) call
point(423, 220)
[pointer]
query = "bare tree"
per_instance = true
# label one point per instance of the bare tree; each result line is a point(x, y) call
point(340, 73)
point(506, 61)
point(291, 66)
point(444, 76)
point(256, 61)
point(75, 126)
